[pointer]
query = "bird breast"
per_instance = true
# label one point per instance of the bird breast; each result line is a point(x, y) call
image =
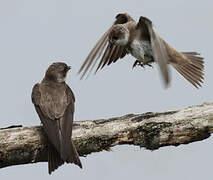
point(141, 50)
point(124, 40)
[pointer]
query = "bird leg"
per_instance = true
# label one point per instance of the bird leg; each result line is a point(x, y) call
point(142, 64)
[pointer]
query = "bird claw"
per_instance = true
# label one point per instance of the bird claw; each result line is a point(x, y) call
point(148, 64)
point(142, 64)
point(135, 64)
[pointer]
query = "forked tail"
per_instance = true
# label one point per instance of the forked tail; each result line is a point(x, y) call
point(54, 158)
point(73, 155)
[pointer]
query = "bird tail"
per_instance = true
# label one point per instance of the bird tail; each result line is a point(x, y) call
point(190, 65)
point(69, 153)
point(54, 158)
point(73, 155)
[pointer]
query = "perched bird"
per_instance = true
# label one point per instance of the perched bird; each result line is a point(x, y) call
point(54, 103)
point(141, 40)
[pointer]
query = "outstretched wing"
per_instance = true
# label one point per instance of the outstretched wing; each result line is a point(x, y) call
point(159, 49)
point(111, 53)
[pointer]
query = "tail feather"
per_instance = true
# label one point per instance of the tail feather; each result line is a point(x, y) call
point(185, 76)
point(191, 53)
point(54, 159)
point(69, 153)
point(191, 68)
point(193, 72)
point(197, 72)
point(74, 157)
point(192, 79)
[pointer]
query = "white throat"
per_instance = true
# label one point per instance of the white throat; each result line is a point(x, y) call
point(61, 80)
point(124, 41)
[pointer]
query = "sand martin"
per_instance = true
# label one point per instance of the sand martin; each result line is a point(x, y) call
point(54, 103)
point(140, 39)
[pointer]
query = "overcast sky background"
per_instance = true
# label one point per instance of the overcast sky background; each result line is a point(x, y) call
point(33, 34)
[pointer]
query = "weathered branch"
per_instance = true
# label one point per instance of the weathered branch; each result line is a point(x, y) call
point(22, 145)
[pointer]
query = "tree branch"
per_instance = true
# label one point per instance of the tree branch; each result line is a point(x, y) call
point(22, 145)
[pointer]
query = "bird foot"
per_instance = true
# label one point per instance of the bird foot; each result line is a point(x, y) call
point(142, 64)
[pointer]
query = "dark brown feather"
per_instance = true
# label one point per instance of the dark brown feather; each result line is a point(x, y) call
point(54, 158)
point(59, 127)
point(104, 57)
point(158, 47)
point(123, 52)
point(111, 52)
point(116, 54)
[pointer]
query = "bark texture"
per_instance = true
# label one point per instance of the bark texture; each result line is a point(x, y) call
point(22, 145)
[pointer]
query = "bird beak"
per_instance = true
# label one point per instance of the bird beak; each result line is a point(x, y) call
point(69, 67)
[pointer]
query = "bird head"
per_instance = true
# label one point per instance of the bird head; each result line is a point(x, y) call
point(119, 35)
point(123, 18)
point(57, 72)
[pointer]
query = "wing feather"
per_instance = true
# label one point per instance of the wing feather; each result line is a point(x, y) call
point(58, 130)
point(111, 53)
point(50, 126)
point(159, 49)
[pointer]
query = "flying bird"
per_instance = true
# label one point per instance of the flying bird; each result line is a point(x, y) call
point(54, 102)
point(140, 39)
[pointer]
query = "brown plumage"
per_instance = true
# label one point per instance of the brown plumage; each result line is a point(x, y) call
point(142, 41)
point(54, 103)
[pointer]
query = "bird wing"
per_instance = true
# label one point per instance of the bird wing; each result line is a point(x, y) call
point(159, 49)
point(50, 126)
point(57, 128)
point(67, 119)
point(110, 52)
point(68, 150)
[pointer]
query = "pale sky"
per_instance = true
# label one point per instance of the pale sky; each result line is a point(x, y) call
point(33, 34)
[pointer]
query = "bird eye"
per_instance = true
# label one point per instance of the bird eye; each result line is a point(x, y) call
point(115, 38)
point(61, 68)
